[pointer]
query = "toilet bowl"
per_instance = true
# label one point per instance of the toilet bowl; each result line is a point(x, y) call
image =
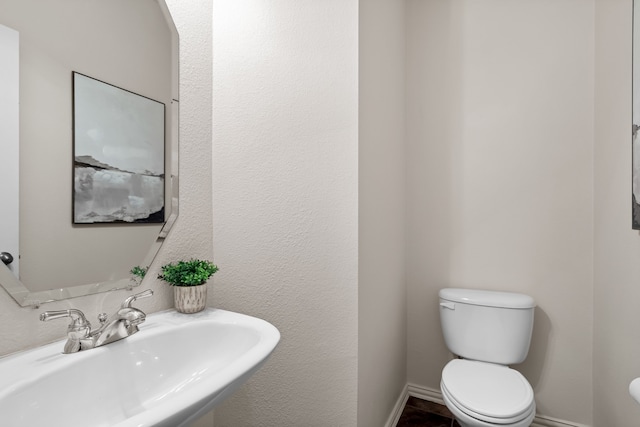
point(488, 331)
point(483, 394)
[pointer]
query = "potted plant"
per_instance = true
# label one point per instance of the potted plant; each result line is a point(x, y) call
point(189, 279)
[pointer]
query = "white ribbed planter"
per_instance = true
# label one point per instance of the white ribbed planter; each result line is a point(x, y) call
point(190, 299)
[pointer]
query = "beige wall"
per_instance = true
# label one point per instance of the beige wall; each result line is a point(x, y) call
point(285, 187)
point(617, 246)
point(500, 194)
point(382, 336)
point(285, 191)
point(20, 327)
point(500, 187)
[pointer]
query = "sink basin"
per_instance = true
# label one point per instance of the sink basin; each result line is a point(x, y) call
point(177, 368)
point(634, 389)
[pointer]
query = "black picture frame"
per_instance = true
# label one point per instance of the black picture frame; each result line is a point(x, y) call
point(118, 154)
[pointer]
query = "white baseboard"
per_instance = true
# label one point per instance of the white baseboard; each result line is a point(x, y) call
point(432, 395)
point(397, 409)
point(425, 393)
point(543, 421)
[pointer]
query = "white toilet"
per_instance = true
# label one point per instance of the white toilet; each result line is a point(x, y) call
point(488, 330)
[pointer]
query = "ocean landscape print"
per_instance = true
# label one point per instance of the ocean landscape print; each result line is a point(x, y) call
point(119, 151)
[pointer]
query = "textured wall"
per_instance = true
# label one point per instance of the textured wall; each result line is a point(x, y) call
point(500, 187)
point(617, 246)
point(285, 202)
point(382, 330)
point(20, 327)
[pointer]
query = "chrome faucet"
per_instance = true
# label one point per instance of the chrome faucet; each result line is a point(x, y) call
point(121, 324)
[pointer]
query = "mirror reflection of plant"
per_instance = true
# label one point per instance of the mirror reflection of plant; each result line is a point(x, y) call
point(138, 274)
point(188, 273)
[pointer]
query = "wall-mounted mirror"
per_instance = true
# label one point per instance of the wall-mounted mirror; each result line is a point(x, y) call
point(132, 45)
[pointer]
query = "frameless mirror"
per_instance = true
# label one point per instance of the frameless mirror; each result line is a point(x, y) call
point(129, 45)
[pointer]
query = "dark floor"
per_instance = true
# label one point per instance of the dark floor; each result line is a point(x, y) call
point(422, 413)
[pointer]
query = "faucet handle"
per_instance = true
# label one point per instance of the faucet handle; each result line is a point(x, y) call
point(79, 326)
point(132, 298)
point(77, 317)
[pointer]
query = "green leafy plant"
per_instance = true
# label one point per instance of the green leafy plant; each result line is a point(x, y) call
point(188, 273)
point(139, 271)
point(138, 274)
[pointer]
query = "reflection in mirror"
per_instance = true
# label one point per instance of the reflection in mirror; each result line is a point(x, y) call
point(128, 44)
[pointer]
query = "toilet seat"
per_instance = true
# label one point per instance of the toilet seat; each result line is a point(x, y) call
point(495, 394)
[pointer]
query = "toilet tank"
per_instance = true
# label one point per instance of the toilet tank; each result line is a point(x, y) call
point(488, 326)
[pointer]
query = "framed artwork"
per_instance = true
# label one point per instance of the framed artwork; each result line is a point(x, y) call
point(119, 149)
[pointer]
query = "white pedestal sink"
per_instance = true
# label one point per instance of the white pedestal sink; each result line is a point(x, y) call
point(177, 368)
point(634, 389)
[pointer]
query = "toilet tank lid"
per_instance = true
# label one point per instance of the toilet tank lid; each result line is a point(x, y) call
point(487, 298)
